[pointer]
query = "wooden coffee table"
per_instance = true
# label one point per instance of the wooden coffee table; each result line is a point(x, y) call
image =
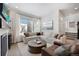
point(35, 47)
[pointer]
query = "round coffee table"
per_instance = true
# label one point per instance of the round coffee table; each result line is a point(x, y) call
point(36, 47)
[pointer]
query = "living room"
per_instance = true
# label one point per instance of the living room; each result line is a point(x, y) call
point(40, 29)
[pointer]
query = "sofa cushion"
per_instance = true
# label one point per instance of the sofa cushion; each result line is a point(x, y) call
point(56, 36)
point(75, 49)
point(26, 34)
point(49, 51)
point(61, 51)
point(69, 41)
point(39, 33)
point(29, 34)
point(59, 43)
point(64, 40)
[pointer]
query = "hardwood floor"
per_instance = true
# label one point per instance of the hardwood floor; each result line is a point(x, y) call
point(20, 49)
point(14, 51)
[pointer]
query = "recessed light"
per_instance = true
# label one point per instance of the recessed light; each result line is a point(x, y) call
point(61, 18)
point(75, 8)
point(16, 6)
point(37, 22)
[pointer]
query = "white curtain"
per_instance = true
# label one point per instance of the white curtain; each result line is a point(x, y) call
point(15, 26)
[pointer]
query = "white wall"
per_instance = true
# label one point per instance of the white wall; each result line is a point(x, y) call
point(61, 23)
point(54, 17)
point(54, 14)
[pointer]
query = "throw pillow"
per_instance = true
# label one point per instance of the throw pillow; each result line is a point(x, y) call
point(61, 51)
point(75, 49)
point(56, 36)
point(58, 50)
point(58, 42)
point(26, 34)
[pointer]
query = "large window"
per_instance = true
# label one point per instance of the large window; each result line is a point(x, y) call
point(24, 24)
point(24, 20)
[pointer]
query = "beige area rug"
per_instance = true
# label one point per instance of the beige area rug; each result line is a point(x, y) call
point(21, 49)
point(24, 49)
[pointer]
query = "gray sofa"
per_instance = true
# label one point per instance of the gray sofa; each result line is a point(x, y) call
point(30, 36)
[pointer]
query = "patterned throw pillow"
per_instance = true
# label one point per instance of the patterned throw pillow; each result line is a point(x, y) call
point(61, 51)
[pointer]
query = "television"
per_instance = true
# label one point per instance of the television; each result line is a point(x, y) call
point(5, 13)
point(1, 8)
point(4, 16)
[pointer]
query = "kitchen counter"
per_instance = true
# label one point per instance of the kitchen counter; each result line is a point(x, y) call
point(3, 30)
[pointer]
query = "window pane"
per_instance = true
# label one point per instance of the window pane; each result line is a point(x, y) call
point(24, 20)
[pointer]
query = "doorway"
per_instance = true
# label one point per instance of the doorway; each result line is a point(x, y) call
point(77, 30)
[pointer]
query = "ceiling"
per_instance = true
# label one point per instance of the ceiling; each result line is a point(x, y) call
point(69, 11)
point(43, 9)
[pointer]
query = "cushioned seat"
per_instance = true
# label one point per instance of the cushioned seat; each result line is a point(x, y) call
point(29, 36)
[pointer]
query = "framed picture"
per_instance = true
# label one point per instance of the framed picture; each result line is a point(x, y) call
point(72, 24)
point(48, 25)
